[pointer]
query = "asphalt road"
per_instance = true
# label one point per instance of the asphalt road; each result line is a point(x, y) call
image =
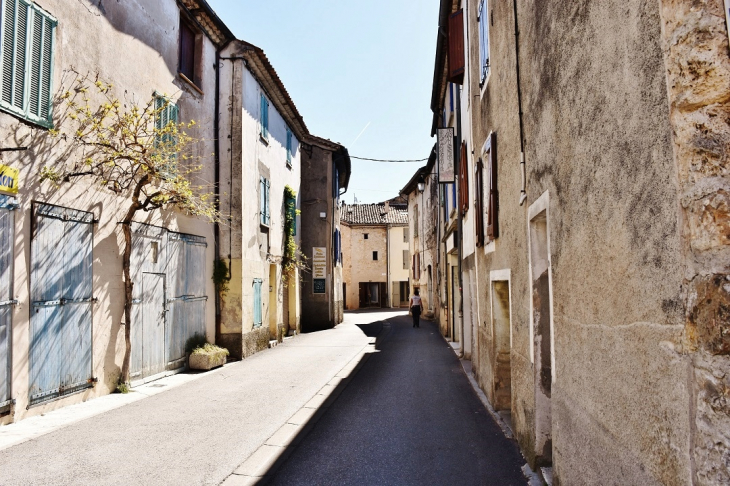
point(409, 416)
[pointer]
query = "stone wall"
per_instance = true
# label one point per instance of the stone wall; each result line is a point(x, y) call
point(697, 60)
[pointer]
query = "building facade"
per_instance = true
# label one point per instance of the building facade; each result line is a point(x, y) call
point(61, 341)
point(590, 190)
point(325, 176)
point(371, 272)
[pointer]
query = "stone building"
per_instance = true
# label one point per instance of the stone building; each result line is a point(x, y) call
point(598, 205)
point(61, 341)
point(374, 255)
point(326, 172)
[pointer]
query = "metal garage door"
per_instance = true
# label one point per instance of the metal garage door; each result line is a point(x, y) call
point(61, 296)
point(7, 231)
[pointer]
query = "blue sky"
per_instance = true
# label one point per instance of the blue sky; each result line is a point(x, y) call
point(354, 69)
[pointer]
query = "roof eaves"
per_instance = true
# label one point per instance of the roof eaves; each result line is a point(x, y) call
point(214, 27)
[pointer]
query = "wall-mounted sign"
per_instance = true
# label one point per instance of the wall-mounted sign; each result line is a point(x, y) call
point(8, 179)
point(446, 155)
point(319, 269)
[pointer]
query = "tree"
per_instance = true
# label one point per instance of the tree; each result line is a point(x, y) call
point(138, 151)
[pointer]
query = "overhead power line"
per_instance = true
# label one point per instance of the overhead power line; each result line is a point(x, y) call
point(390, 161)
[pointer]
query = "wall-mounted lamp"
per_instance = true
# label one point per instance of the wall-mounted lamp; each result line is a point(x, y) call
point(323, 215)
point(421, 184)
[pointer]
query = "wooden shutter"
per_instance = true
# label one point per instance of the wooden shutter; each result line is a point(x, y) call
point(41, 52)
point(288, 146)
point(463, 180)
point(479, 202)
point(406, 257)
point(456, 47)
point(264, 117)
point(187, 51)
point(262, 199)
point(493, 209)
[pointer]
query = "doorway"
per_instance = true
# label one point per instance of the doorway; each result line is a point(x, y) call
point(542, 332)
point(7, 232)
point(501, 331)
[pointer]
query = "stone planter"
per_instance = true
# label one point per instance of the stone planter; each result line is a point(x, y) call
point(206, 361)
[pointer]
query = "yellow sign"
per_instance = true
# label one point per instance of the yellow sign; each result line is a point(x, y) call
point(9, 179)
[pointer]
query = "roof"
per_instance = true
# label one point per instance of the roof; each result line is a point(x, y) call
point(340, 156)
point(209, 21)
point(440, 70)
point(372, 214)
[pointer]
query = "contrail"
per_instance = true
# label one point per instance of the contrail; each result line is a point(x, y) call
point(360, 135)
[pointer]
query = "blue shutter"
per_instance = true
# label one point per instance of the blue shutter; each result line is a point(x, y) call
point(257, 319)
point(268, 202)
point(264, 117)
point(262, 199)
point(288, 146)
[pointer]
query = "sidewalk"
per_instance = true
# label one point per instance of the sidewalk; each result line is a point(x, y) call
point(188, 429)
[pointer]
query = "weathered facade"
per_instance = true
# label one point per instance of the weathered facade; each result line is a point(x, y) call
point(261, 143)
point(596, 153)
point(370, 270)
point(61, 341)
point(325, 176)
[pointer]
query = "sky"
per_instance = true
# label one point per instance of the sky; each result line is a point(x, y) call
point(359, 72)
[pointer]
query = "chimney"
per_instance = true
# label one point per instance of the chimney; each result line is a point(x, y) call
point(387, 207)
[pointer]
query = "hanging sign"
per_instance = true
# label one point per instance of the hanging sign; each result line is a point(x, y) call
point(8, 179)
point(446, 155)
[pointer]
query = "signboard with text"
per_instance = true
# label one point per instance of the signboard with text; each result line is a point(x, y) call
point(8, 179)
point(446, 155)
point(319, 269)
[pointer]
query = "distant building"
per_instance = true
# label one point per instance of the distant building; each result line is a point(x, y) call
point(375, 255)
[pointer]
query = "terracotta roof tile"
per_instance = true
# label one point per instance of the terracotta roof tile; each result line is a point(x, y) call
point(374, 214)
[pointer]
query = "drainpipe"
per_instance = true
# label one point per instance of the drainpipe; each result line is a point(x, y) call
point(523, 191)
point(387, 265)
point(459, 219)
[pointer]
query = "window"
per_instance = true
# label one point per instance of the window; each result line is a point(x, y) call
point(456, 47)
point(483, 19)
point(375, 255)
point(405, 234)
point(406, 259)
point(365, 236)
point(189, 53)
point(337, 246)
point(288, 147)
point(257, 314)
point(265, 209)
point(27, 61)
point(264, 117)
point(463, 180)
point(166, 112)
point(492, 203)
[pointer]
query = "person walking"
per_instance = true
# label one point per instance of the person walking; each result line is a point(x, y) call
point(415, 306)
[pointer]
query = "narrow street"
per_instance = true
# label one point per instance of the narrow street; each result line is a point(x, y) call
point(406, 416)
point(409, 416)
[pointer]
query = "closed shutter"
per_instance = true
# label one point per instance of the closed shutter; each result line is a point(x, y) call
point(288, 146)
point(406, 257)
point(405, 234)
point(463, 180)
point(264, 188)
point(264, 117)
point(257, 314)
point(479, 202)
point(7, 231)
point(493, 201)
point(27, 61)
point(456, 47)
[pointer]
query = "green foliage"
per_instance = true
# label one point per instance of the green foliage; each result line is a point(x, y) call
point(221, 276)
point(293, 257)
point(197, 340)
point(122, 388)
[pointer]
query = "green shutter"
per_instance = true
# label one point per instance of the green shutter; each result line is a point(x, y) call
point(268, 202)
point(27, 61)
point(288, 146)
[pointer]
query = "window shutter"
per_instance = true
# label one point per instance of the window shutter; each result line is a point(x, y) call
point(418, 265)
point(479, 203)
point(413, 266)
point(405, 234)
point(288, 146)
point(264, 117)
point(257, 314)
point(483, 19)
point(268, 201)
point(463, 180)
point(456, 47)
point(492, 226)
point(262, 199)
point(14, 43)
point(406, 257)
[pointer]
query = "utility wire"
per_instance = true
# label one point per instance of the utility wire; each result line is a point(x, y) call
point(390, 161)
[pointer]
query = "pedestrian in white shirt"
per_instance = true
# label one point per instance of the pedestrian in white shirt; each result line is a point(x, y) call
point(416, 307)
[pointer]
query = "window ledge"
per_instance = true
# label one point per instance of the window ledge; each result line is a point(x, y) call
point(288, 164)
point(190, 83)
point(265, 140)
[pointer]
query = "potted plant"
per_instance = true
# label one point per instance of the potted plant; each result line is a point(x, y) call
point(203, 355)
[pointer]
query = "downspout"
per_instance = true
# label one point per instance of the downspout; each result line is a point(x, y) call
point(523, 191)
point(387, 265)
point(459, 219)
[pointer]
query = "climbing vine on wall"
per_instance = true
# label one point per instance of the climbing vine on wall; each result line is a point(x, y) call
point(293, 257)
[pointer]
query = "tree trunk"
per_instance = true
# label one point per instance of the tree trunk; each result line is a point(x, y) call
point(128, 285)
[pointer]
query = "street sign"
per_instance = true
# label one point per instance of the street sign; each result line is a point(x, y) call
point(319, 269)
point(446, 155)
point(319, 285)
